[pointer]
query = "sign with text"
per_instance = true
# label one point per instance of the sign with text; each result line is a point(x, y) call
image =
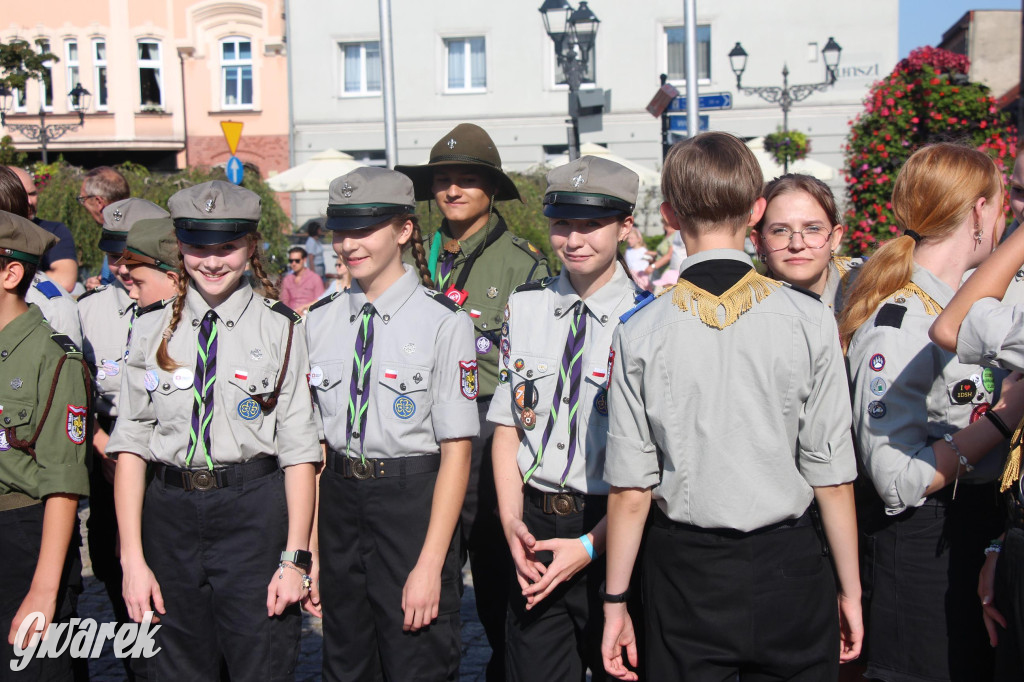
point(711, 101)
point(677, 123)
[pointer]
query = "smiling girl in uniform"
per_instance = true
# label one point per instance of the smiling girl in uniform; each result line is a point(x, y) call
point(397, 417)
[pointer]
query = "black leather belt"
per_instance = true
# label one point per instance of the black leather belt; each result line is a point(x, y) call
point(352, 467)
point(562, 504)
point(220, 477)
point(660, 520)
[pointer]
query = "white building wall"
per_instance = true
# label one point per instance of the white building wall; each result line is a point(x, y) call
point(522, 108)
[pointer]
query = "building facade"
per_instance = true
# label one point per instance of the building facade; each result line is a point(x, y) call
point(493, 64)
point(162, 74)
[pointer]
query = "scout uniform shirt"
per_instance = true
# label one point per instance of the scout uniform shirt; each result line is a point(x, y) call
point(107, 315)
point(28, 360)
point(908, 393)
point(500, 268)
point(252, 335)
point(57, 305)
point(533, 343)
point(842, 273)
point(421, 382)
point(731, 426)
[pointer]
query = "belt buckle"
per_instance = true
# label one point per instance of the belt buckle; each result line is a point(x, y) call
point(202, 480)
point(562, 504)
point(361, 470)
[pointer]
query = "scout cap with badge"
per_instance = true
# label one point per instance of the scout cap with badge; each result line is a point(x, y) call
point(23, 240)
point(368, 196)
point(466, 145)
point(151, 242)
point(214, 212)
point(591, 187)
point(119, 217)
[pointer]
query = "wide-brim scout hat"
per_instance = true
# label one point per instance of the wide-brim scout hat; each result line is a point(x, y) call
point(21, 239)
point(368, 196)
point(151, 242)
point(591, 187)
point(214, 212)
point(465, 145)
point(119, 217)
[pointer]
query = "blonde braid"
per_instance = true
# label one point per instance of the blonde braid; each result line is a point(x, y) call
point(163, 355)
point(269, 290)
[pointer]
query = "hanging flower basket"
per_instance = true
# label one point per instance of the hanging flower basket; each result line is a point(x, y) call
point(787, 147)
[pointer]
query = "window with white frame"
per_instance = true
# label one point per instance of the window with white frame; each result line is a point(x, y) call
point(589, 74)
point(20, 100)
point(675, 52)
point(150, 75)
point(236, 73)
point(99, 69)
point(46, 82)
point(71, 69)
point(466, 65)
point(360, 68)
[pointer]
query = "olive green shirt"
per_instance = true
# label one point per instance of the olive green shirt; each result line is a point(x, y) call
point(28, 361)
point(500, 268)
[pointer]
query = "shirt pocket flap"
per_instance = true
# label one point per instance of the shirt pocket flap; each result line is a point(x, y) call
point(533, 367)
point(14, 413)
point(253, 380)
point(404, 379)
point(325, 376)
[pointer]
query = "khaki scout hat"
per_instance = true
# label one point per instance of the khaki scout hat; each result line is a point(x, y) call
point(465, 145)
point(151, 242)
point(119, 217)
point(591, 187)
point(23, 240)
point(368, 196)
point(214, 212)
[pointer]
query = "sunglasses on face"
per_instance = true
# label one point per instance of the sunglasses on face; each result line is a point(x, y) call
point(294, 260)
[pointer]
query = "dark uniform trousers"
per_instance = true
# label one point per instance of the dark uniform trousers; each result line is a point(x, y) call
point(723, 605)
point(214, 553)
point(21, 534)
point(561, 637)
point(371, 533)
point(1009, 599)
point(909, 559)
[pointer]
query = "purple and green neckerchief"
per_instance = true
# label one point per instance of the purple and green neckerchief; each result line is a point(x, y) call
point(202, 390)
point(359, 386)
point(571, 373)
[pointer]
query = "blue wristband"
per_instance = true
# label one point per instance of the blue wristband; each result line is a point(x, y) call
point(589, 546)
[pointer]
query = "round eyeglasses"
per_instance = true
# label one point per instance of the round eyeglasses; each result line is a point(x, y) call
point(779, 238)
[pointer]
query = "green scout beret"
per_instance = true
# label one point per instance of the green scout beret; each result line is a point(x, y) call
point(368, 196)
point(591, 187)
point(151, 242)
point(23, 240)
point(119, 217)
point(465, 145)
point(214, 213)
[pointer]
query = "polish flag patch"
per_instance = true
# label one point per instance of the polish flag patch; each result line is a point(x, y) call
point(474, 313)
point(390, 374)
point(598, 373)
point(241, 375)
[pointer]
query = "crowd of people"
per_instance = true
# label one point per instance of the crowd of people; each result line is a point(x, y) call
point(760, 471)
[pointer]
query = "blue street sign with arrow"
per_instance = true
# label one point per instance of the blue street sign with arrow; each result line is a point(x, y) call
point(677, 123)
point(234, 170)
point(711, 101)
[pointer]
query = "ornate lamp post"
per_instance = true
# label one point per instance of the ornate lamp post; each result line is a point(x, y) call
point(574, 32)
point(43, 131)
point(787, 94)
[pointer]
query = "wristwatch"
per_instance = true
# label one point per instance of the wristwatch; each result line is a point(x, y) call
point(612, 598)
point(300, 558)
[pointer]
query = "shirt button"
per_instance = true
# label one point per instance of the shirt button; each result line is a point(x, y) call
point(604, 319)
point(3, 354)
point(483, 326)
point(230, 323)
point(401, 386)
point(195, 323)
point(355, 434)
point(352, 318)
point(7, 420)
point(120, 311)
point(252, 388)
point(386, 318)
point(166, 386)
point(324, 383)
point(561, 446)
point(529, 373)
point(565, 400)
point(558, 311)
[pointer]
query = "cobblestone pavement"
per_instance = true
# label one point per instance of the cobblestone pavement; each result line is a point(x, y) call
point(95, 604)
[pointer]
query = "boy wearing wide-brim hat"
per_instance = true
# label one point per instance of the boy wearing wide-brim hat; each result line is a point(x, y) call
point(476, 261)
point(43, 471)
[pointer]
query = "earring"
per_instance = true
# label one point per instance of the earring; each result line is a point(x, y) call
point(762, 257)
point(832, 254)
point(977, 237)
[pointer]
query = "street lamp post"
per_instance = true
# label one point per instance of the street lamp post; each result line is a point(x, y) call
point(787, 94)
point(43, 131)
point(574, 32)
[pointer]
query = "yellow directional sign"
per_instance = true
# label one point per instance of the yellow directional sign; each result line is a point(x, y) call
point(232, 133)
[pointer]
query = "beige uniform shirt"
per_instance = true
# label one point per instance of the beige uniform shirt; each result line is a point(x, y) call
point(842, 273)
point(156, 405)
point(57, 305)
point(908, 393)
point(539, 317)
point(731, 427)
point(106, 313)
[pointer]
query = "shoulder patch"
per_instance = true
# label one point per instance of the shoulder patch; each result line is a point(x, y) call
point(282, 309)
point(529, 248)
point(159, 305)
point(323, 301)
point(805, 292)
point(890, 315)
point(94, 291)
point(641, 295)
point(443, 300)
point(632, 311)
point(66, 344)
point(48, 289)
point(535, 285)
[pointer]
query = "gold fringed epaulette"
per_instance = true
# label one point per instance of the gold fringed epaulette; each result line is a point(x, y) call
point(1011, 472)
point(842, 264)
point(931, 306)
point(740, 298)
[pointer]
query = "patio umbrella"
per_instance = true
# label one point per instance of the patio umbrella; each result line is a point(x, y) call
point(316, 174)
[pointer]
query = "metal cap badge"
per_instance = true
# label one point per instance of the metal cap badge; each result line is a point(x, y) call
point(214, 212)
point(591, 187)
point(119, 217)
point(368, 196)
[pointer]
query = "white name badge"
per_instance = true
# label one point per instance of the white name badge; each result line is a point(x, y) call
point(183, 378)
point(316, 375)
